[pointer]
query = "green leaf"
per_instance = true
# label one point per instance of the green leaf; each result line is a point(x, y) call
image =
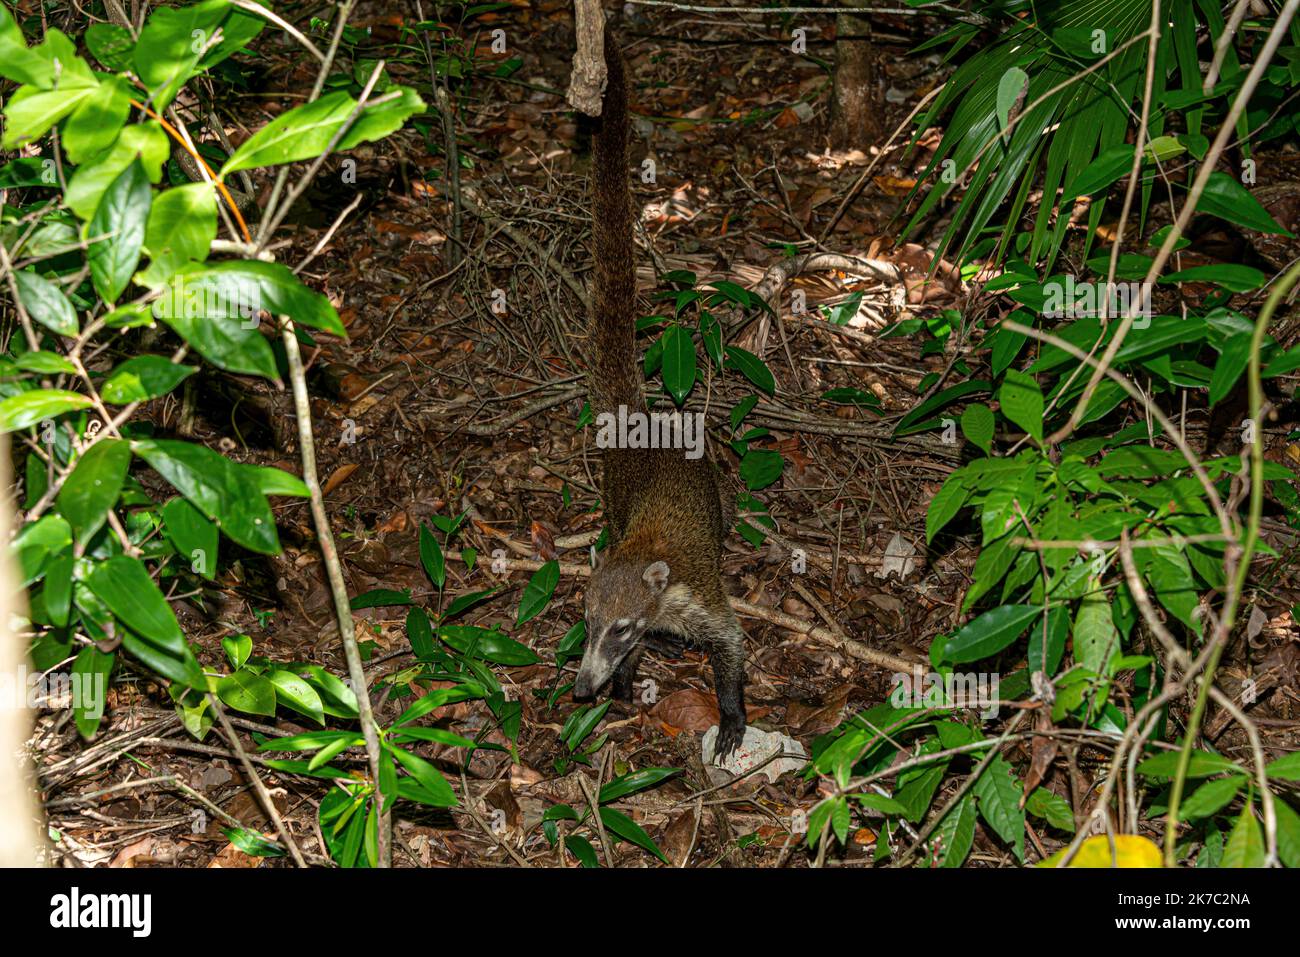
point(1011, 85)
point(1233, 358)
point(678, 362)
point(144, 377)
point(123, 584)
point(435, 565)
point(582, 851)
point(956, 833)
point(195, 538)
point(1022, 402)
point(752, 368)
point(238, 648)
point(217, 487)
point(97, 120)
point(110, 44)
point(633, 782)
point(36, 543)
point(1109, 165)
point(1052, 808)
point(428, 777)
point(488, 644)
point(28, 408)
point(247, 692)
point(989, 633)
point(182, 224)
point(17, 62)
point(46, 303)
point(629, 830)
point(94, 485)
point(90, 676)
point(305, 131)
point(145, 142)
point(171, 45)
point(947, 502)
point(274, 481)
point(1228, 199)
point(1095, 635)
point(1210, 798)
point(46, 363)
point(1288, 833)
point(1245, 847)
point(538, 592)
point(31, 112)
point(239, 289)
point(977, 425)
point(760, 468)
point(1285, 768)
point(998, 792)
point(1231, 276)
point(1203, 764)
point(915, 420)
point(380, 598)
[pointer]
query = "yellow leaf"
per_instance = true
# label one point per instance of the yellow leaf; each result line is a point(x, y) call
point(1131, 850)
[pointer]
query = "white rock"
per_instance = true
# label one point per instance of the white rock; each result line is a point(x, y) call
point(755, 748)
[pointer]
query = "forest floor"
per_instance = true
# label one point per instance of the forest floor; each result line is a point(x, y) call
point(460, 389)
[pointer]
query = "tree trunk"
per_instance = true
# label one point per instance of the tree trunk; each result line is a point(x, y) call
point(855, 113)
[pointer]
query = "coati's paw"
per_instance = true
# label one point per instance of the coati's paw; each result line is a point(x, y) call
point(730, 734)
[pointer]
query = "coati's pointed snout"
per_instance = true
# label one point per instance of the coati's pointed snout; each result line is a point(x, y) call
point(593, 674)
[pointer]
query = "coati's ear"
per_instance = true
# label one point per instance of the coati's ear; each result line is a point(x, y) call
point(656, 575)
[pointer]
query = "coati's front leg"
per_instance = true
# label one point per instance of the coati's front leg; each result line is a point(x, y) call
point(625, 675)
point(727, 657)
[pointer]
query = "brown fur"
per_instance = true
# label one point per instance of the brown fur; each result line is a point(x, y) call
point(667, 518)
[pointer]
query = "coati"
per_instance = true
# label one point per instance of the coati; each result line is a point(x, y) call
point(665, 512)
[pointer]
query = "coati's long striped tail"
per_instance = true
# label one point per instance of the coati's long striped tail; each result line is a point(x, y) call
point(614, 376)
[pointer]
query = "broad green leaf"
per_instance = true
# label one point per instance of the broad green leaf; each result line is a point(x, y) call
point(538, 592)
point(46, 303)
point(947, 502)
point(752, 368)
point(1109, 165)
point(1231, 276)
point(431, 557)
point(247, 692)
point(306, 131)
point(94, 485)
point(488, 644)
point(1245, 847)
point(17, 62)
point(1228, 199)
point(171, 44)
point(31, 112)
point(1288, 833)
point(1011, 86)
point(678, 362)
point(998, 792)
point(90, 688)
point(1203, 764)
point(1285, 768)
point(292, 692)
point(195, 537)
point(145, 142)
point(182, 225)
point(1022, 402)
point(239, 289)
point(28, 408)
point(97, 120)
point(38, 542)
point(123, 584)
point(1052, 808)
point(626, 828)
point(237, 648)
point(221, 490)
point(1210, 798)
point(635, 781)
point(760, 468)
point(956, 833)
point(117, 232)
point(977, 426)
point(1095, 635)
point(143, 377)
point(428, 777)
point(46, 363)
point(989, 633)
point(110, 44)
point(1233, 358)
